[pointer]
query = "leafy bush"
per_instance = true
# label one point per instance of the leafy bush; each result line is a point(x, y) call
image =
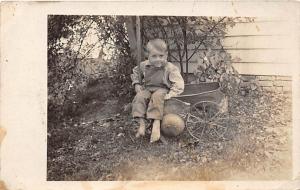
point(65, 79)
point(201, 37)
point(215, 66)
point(69, 44)
point(68, 47)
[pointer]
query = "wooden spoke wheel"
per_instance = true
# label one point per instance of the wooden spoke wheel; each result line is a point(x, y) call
point(207, 118)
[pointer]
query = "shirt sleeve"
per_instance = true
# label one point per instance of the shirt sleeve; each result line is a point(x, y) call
point(135, 76)
point(177, 82)
point(138, 74)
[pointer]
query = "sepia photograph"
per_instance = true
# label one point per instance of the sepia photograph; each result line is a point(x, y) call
point(150, 95)
point(168, 98)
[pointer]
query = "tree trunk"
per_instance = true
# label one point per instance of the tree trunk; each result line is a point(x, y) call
point(139, 45)
point(181, 66)
point(131, 36)
point(138, 39)
point(186, 54)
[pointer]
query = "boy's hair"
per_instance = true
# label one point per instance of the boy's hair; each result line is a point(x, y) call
point(157, 44)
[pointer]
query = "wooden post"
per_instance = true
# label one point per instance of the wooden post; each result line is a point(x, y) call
point(138, 44)
point(131, 35)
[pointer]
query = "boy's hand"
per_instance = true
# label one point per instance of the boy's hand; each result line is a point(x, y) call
point(138, 88)
point(167, 97)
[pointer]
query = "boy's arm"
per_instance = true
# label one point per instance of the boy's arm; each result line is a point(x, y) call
point(177, 83)
point(135, 76)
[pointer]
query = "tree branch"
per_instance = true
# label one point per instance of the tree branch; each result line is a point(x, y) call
point(87, 52)
point(166, 37)
point(81, 42)
point(201, 42)
point(177, 45)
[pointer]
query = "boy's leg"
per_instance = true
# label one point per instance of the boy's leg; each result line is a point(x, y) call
point(139, 107)
point(156, 105)
point(155, 133)
point(155, 111)
point(142, 128)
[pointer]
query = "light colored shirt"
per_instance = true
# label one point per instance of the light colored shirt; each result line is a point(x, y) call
point(170, 77)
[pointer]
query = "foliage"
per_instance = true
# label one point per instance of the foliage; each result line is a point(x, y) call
point(102, 146)
point(200, 37)
point(216, 66)
point(113, 33)
point(71, 43)
point(66, 48)
point(251, 88)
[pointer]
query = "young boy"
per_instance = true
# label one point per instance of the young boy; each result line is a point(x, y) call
point(155, 80)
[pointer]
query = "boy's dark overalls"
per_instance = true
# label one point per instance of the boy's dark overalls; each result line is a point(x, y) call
point(157, 82)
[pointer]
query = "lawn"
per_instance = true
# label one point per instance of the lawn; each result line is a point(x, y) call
point(99, 144)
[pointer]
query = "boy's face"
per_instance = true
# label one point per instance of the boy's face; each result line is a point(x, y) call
point(157, 58)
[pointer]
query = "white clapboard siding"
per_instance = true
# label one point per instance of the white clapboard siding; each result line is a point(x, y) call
point(263, 69)
point(257, 42)
point(281, 56)
point(261, 27)
point(253, 55)
point(249, 41)
point(252, 68)
point(263, 47)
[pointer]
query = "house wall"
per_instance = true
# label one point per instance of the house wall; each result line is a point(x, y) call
point(263, 50)
point(277, 83)
point(263, 47)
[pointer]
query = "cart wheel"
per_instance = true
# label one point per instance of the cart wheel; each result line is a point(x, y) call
point(207, 118)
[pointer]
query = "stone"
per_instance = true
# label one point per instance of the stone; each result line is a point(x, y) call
point(287, 88)
point(265, 83)
point(282, 83)
point(265, 78)
point(279, 88)
point(247, 78)
point(268, 89)
point(283, 78)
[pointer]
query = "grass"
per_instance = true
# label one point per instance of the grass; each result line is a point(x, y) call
point(100, 145)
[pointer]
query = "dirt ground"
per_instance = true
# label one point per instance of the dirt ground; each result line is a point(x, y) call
point(100, 145)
